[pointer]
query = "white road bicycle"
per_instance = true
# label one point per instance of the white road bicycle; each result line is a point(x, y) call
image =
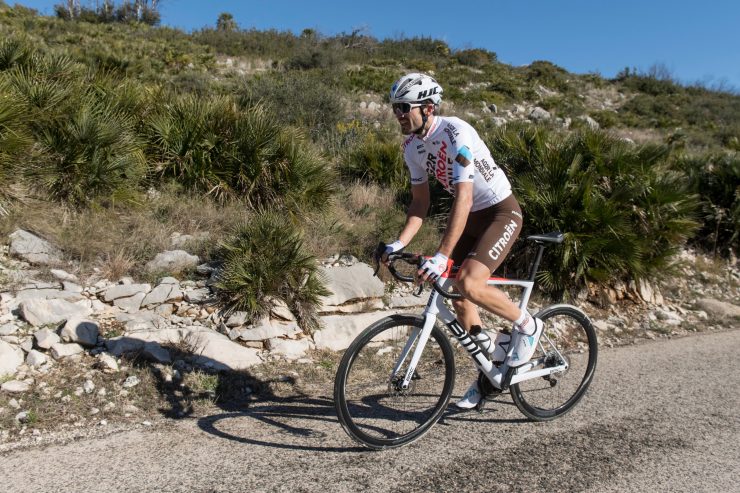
point(396, 378)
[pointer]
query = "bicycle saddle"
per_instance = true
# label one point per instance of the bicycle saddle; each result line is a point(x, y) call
point(553, 237)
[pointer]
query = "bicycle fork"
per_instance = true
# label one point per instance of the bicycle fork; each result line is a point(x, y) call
point(435, 306)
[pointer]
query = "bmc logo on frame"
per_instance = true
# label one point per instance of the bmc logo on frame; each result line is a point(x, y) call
point(427, 93)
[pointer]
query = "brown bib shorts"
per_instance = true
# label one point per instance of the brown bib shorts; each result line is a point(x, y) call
point(489, 234)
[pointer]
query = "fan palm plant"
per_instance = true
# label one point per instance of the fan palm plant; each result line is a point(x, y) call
point(92, 154)
point(623, 209)
point(212, 146)
point(14, 142)
point(265, 261)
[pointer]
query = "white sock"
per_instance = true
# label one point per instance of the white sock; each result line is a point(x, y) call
point(525, 323)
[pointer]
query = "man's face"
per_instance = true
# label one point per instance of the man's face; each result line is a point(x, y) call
point(410, 121)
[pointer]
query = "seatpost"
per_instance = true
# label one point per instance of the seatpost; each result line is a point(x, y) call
point(536, 263)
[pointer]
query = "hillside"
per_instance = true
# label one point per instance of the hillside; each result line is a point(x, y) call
point(186, 219)
point(157, 132)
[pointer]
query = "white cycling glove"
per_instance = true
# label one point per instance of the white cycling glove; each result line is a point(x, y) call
point(434, 267)
point(393, 247)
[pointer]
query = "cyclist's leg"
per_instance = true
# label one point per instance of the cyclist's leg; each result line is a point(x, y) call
point(501, 226)
point(467, 312)
point(487, 227)
point(472, 283)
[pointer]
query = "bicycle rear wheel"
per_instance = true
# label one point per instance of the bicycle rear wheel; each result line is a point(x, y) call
point(568, 336)
point(369, 403)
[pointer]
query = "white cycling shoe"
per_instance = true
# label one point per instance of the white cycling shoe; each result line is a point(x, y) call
point(525, 344)
point(471, 398)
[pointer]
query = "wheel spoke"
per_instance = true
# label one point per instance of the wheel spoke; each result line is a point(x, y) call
point(370, 404)
point(568, 338)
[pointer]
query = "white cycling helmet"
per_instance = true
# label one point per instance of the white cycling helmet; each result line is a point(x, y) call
point(414, 88)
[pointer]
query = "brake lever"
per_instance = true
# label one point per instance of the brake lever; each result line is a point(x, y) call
point(418, 291)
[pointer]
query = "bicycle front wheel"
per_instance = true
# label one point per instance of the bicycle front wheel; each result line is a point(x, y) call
point(370, 404)
point(568, 337)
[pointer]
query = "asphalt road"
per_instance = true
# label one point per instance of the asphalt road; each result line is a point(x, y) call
point(660, 416)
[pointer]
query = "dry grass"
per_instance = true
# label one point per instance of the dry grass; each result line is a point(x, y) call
point(118, 241)
point(360, 217)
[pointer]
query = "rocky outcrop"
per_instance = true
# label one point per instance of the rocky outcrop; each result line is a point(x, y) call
point(33, 249)
point(43, 322)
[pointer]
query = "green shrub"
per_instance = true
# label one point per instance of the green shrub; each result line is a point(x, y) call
point(475, 57)
point(14, 51)
point(377, 160)
point(549, 74)
point(716, 178)
point(624, 210)
point(93, 154)
point(606, 118)
point(14, 143)
point(212, 146)
point(265, 262)
point(306, 99)
point(370, 79)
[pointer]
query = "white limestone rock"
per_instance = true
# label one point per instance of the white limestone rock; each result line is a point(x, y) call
point(46, 338)
point(10, 358)
point(539, 114)
point(60, 350)
point(39, 312)
point(718, 309)
point(8, 329)
point(107, 362)
point(125, 291)
point(130, 304)
point(162, 293)
point(290, 349)
point(172, 261)
point(83, 332)
point(155, 352)
point(35, 358)
point(15, 386)
point(33, 249)
point(340, 330)
point(63, 275)
point(197, 295)
point(269, 329)
point(211, 348)
point(353, 282)
point(237, 319)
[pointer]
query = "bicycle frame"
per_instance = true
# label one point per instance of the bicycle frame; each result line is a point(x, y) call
point(502, 376)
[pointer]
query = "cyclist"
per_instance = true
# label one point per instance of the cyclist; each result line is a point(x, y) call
point(483, 223)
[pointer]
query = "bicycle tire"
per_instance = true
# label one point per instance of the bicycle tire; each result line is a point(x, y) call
point(370, 408)
point(571, 331)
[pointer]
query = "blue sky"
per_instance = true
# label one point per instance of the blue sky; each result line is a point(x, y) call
point(696, 41)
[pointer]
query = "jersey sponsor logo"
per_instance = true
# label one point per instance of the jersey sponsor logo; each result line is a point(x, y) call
point(417, 180)
point(498, 248)
point(451, 132)
point(430, 163)
point(441, 169)
point(486, 169)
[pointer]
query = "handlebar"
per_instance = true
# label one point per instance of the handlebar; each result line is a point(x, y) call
point(416, 260)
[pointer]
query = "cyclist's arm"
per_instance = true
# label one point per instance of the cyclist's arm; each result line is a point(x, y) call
point(457, 218)
point(416, 213)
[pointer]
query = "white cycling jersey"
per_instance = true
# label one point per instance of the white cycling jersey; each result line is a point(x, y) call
point(436, 154)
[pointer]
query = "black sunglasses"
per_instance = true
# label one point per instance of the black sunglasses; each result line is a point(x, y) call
point(403, 108)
